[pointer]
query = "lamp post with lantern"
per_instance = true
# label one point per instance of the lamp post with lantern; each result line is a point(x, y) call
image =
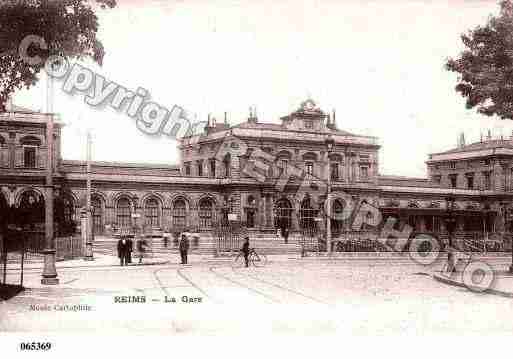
point(330, 144)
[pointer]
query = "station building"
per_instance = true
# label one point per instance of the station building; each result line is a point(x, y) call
point(265, 175)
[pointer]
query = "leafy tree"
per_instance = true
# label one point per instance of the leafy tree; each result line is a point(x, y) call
point(69, 28)
point(485, 67)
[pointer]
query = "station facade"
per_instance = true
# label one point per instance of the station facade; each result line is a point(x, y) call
point(264, 175)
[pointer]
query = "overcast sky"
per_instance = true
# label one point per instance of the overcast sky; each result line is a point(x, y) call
point(379, 63)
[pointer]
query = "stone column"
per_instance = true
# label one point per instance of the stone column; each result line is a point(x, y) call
point(422, 223)
point(271, 207)
point(11, 149)
point(268, 211)
point(295, 215)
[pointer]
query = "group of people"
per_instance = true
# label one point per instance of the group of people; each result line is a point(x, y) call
point(126, 247)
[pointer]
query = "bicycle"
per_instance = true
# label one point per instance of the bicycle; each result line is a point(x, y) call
point(258, 260)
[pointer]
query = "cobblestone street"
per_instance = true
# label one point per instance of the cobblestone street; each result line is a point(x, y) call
point(360, 296)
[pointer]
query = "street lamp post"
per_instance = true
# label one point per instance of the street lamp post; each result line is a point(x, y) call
point(330, 143)
point(450, 223)
point(89, 213)
point(49, 270)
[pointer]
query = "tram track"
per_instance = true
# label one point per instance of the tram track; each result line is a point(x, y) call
point(188, 280)
point(295, 292)
point(240, 284)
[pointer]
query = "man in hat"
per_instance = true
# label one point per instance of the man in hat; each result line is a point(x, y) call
point(184, 248)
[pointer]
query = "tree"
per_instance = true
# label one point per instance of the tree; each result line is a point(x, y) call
point(485, 67)
point(68, 27)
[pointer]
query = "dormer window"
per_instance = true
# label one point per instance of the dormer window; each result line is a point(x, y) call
point(309, 124)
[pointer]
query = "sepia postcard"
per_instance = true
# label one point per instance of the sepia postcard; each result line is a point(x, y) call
point(234, 168)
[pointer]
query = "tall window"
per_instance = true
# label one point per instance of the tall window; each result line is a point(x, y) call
point(364, 173)
point(200, 168)
point(487, 180)
point(453, 179)
point(284, 164)
point(206, 213)
point(30, 145)
point(123, 213)
point(227, 165)
point(309, 168)
point(212, 167)
point(334, 171)
point(97, 215)
point(179, 213)
point(470, 181)
point(187, 168)
point(151, 212)
point(29, 156)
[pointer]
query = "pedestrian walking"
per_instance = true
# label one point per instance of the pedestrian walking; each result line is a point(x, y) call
point(130, 249)
point(123, 251)
point(245, 251)
point(285, 234)
point(141, 248)
point(184, 248)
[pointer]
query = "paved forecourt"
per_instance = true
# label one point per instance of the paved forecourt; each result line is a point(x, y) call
point(306, 296)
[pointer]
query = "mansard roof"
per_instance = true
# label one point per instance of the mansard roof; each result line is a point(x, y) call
point(281, 127)
point(476, 149)
point(384, 180)
point(476, 146)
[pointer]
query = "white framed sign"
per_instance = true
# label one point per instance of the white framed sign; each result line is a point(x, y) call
point(232, 216)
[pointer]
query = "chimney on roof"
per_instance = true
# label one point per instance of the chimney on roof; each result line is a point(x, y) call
point(252, 115)
point(334, 119)
point(461, 142)
point(225, 118)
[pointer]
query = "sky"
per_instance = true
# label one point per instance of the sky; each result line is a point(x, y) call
point(380, 64)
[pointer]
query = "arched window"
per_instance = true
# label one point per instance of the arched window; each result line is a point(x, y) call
point(96, 204)
point(206, 213)
point(307, 214)
point(30, 151)
point(69, 208)
point(179, 213)
point(152, 212)
point(123, 213)
point(337, 223)
point(32, 208)
point(283, 215)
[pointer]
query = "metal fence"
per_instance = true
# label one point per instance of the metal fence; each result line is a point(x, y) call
point(229, 237)
point(12, 258)
point(368, 241)
point(69, 248)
